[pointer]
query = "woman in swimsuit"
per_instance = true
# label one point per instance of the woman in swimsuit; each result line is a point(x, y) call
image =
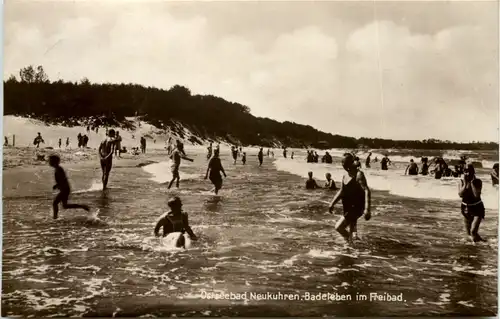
point(469, 189)
point(356, 198)
point(214, 169)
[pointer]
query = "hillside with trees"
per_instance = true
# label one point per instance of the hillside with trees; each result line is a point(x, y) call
point(33, 95)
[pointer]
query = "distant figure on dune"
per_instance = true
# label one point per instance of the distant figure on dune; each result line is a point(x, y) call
point(118, 144)
point(176, 157)
point(38, 140)
point(412, 168)
point(260, 156)
point(268, 152)
point(469, 189)
point(217, 148)
point(62, 184)
point(67, 142)
point(60, 142)
point(244, 158)
point(356, 198)
point(384, 162)
point(174, 221)
point(80, 139)
point(292, 155)
point(143, 145)
point(6, 143)
point(368, 159)
point(330, 184)
point(494, 174)
point(106, 150)
point(311, 183)
point(213, 172)
point(284, 152)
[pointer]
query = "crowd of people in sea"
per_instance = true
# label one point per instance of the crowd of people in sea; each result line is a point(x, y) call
point(353, 189)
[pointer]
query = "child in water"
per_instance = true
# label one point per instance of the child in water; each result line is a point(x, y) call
point(469, 189)
point(356, 198)
point(311, 183)
point(62, 184)
point(330, 184)
point(175, 221)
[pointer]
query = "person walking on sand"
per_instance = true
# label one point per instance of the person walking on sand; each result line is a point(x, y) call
point(368, 160)
point(213, 171)
point(118, 144)
point(260, 156)
point(234, 151)
point(106, 150)
point(355, 196)
point(472, 208)
point(60, 142)
point(244, 158)
point(38, 140)
point(67, 142)
point(176, 157)
point(62, 184)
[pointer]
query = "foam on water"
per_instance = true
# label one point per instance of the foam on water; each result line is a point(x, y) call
point(394, 182)
point(162, 172)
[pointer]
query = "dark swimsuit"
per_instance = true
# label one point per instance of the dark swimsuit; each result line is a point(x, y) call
point(472, 206)
point(353, 200)
point(215, 168)
point(413, 170)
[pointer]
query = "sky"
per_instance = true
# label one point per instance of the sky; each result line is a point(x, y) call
point(394, 69)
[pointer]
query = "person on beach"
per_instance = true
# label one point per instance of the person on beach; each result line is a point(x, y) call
point(355, 196)
point(494, 174)
point(176, 157)
point(213, 171)
point(67, 142)
point(293, 153)
point(234, 152)
point(244, 158)
point(209, 151)
point(284, 152)
point(472, 207)
point(412, 168)
point(6, 141)
point(175, 221)
point(62, 184)
point(79, 138)
point(330, 184)
point(260, 156)
point(85, 139)
point(384, 162)
point(118, 145)
point(368, 159)
point(38, 140)
point(311, 183)
point(60, 142)
point(106, 150)
point(328, 158)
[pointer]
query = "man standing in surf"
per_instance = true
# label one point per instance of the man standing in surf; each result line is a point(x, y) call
point(106, 150)
point(176, 157)
point(469, 189)
point(261, 156)
point(214, 169)
point(356, 198)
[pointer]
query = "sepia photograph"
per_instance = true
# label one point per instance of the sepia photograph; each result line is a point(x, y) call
point(250, 158)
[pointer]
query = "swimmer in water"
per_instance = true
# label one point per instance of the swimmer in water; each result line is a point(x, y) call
point(330, 184)
point(368, 159)
point(62, 184)
point(356, 199)
point(469, 189)
point(311, 183)
point(412, 168)
point(425, 166)
point(261, 156)
point(176, 157)
point(213, 170)
point(106, 150)
point(494, 174)
point(175, 221)
point(384, 162)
